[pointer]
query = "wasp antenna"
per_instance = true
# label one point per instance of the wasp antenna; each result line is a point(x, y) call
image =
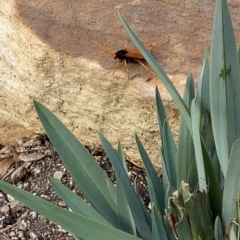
point(128, 41)
point(109, 52)
point(148, 69)
point(159, 44)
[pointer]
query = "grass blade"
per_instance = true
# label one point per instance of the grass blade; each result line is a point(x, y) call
point(134, 203)
point(218, 232)
point(185, 157)
point(159, 71)
point(224, 84)
point(158, 225)
point(198, 149)
point(215, 191)
point(155, 186)
point(198, 209)
point(170, 154)
point(231, 190)
point(75, 203)
point(160, 111)
point(126, 221)
point(82, 166)
point(77, 224)
point(202, 98)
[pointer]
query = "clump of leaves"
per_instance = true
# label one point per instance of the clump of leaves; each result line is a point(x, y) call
point(198, 197)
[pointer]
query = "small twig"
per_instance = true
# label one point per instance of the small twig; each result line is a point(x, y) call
point(18, 221)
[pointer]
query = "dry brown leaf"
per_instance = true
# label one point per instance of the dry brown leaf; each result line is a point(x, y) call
point(5, 152)
point(4, 237)
point(20, 172)
point(5, 165)
point(31, 157)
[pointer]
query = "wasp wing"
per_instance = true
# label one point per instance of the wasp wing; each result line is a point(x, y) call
point(134, 53)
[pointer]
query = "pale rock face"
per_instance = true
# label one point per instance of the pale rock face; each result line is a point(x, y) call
point(48, 54)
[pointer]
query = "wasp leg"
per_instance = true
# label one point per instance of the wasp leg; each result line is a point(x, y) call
point(126, 66)
point(115, 68)
point(128, 41)
point(148, 69)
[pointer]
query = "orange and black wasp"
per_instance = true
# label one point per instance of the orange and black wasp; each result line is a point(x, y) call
point(126, 55)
